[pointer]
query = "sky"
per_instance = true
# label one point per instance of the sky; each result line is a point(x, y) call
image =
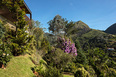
point(97, 14)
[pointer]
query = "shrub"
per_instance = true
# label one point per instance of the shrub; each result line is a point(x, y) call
point(48, 71)
point(5, 54)
point(81, 58)
point(53, 72)
point(81, 72)
point(70, 67)
point(40, 69)
point(111, 72)
point(57, 58)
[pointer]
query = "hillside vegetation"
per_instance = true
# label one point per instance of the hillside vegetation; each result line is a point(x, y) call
point(69, 49)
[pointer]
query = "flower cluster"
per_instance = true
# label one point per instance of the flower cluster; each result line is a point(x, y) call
point(4, 54)
point(67, 46)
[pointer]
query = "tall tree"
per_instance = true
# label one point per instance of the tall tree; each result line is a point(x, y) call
point(57, 25)
point(20, 38)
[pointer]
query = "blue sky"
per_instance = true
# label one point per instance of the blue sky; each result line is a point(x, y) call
point(97, 14)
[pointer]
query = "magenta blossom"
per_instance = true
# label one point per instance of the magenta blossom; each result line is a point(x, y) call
point(67, 46)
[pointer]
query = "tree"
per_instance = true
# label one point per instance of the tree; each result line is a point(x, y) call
point(20, 39)
point(68, 29)
point(57, 25)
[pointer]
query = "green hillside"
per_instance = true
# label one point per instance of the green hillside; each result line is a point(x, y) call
point(89, 35)
point(77, 28)
point(18, 67)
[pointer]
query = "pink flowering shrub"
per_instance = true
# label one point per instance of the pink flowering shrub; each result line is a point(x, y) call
point(67, 46)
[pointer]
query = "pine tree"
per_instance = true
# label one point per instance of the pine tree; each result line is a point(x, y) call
point(20, 38)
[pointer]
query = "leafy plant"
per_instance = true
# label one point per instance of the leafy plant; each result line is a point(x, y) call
point(81, 72)
point(5, 54)
point(52, 72)
point(57, 58)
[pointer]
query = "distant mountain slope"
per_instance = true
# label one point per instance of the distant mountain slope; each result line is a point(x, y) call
point(81, 27)
point(84, 38)
point(78, 29)
point(111, 29)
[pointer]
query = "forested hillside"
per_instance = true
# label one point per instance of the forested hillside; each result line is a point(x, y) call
point(70, 49)
point(96, 49)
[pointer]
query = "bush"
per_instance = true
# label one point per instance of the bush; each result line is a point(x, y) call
point(53, 72)
point(111, 72)
point(70, 67)
point(81, 58)
point(5, 54)
point(57, 58)
point(43, 71)
point(81, 72)
point(40, 69)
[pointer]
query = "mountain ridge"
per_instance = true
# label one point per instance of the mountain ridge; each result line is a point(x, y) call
point(111, 29)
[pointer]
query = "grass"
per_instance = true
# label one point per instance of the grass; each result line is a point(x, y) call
point(18, 67)
point(64, 75)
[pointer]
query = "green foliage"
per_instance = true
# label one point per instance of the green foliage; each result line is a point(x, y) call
point(42, 43)
point(52, 72)
point(45, 46)
point(90, 70)
point(20, 39)
point(46, 71)
point(40, 68)
point(38, 33)
point(81, 72)
point(68, 29)
point(2, 29)
point(111, 72)
point(81, 58)
point(57, 58)
point(75, 29)
point(5, 54)
point(70, 67)
point(98, 59)
point(57, 25)
point(98, 56)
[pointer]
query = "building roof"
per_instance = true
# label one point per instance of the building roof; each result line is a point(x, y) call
point(27, 10)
